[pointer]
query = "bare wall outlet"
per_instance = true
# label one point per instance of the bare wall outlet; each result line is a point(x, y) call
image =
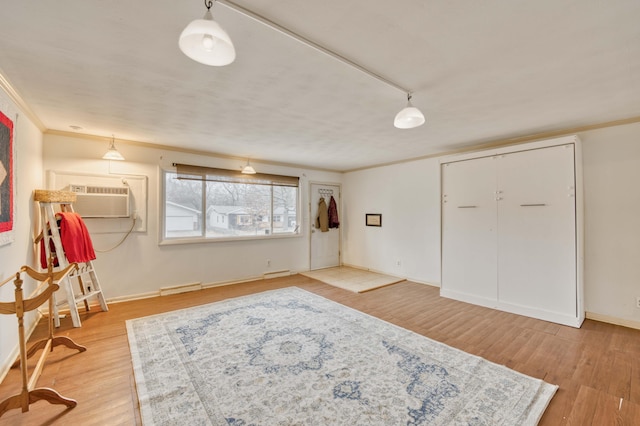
point(638, 302)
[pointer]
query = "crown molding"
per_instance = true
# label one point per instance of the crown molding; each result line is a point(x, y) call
point(22, 105)
point(152, 145)
point(510, 141)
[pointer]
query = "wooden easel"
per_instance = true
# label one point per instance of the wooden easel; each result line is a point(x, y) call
point(44, 291)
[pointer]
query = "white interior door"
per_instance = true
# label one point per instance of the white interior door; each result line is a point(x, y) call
point(324, 246)
point(469, 231)
point(536, 245)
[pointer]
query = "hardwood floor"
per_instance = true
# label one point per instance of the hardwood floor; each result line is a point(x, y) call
point(597, 367)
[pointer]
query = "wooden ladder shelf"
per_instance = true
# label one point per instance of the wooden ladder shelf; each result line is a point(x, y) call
point(85, 275)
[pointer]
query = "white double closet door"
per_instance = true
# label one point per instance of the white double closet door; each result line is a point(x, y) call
point(509, 232)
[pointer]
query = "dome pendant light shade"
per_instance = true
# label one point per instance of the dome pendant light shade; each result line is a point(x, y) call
point(204, 41)
point(112, 153)
point(409, 117)
point(248, 170)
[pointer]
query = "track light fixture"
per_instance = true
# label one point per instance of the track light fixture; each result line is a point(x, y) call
point(408, 118)
point(204, 41)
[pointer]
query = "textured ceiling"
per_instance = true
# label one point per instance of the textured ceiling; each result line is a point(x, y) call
point(479, 71)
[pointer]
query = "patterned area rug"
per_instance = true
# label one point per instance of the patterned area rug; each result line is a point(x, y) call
point(352, 279)
point(289, 357)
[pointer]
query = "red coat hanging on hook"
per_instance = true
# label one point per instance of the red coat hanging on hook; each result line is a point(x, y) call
point(334, 222)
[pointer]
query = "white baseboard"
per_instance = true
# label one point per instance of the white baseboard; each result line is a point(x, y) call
point(4, 369)
point(362, 268)
point(589, 315)
point(230, 282)
point(201, 286)
point(413, 280)
point(132, 297)
point(613, 320)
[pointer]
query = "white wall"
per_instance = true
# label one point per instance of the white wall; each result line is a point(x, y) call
point(27, 176)
point(611, 160)
point(407, 195)
point(140, 266)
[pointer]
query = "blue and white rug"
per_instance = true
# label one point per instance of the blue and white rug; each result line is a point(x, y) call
point(289, 357)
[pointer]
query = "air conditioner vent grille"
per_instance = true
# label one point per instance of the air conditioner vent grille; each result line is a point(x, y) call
point(106, 190)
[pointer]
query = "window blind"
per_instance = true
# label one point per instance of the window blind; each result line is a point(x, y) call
point(211, 174)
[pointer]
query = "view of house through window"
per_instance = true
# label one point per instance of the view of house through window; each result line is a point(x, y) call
point(198, 206)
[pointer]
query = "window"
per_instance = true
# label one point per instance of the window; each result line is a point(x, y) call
point(203, 203)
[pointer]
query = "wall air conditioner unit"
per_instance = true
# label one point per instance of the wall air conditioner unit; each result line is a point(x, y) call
point(101, 201)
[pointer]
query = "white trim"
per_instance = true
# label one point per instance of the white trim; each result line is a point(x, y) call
point(413, 280)
point(4, 369)
point(613, 320)
point(167, 241)
point(573, 139)
point(574, 321)
point(579, 192)
point(17, 99)
point(312, 218)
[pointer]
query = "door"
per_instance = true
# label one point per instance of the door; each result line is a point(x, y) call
point(324, 246)
point(537, 238)
point(469, 231)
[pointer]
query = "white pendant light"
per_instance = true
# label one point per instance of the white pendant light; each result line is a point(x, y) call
point(248, 170)
point(112, 153)
point(409, 117)
point(204, 41)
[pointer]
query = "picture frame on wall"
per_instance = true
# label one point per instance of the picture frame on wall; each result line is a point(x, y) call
point(7, 190)
point(373, 219)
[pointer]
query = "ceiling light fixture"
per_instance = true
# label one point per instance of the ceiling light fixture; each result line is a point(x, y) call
point(248, 170)
point(409, 117)
point(204, 41)
point(414, 111)
point(112, 153)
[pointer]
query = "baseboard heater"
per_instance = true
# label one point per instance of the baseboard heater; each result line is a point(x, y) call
point(276, 274)
point(183, 288)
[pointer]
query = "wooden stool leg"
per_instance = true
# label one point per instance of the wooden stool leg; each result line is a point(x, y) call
point(29, 393)
point(50, 396)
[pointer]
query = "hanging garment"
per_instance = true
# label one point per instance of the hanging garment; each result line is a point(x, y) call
point(75, 239)
point(334, 222)
point(322, 219)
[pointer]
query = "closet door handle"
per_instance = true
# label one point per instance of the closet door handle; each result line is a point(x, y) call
point(467, 207)
point(532, 205)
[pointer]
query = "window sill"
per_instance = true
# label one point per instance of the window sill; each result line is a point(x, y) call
point(177, 241)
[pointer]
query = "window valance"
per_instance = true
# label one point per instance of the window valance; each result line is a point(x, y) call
point(211, 174)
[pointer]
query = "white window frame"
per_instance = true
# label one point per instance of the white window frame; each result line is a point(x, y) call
point(164, 240)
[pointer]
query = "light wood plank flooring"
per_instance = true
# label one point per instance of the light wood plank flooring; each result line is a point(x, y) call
point(597, 367)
